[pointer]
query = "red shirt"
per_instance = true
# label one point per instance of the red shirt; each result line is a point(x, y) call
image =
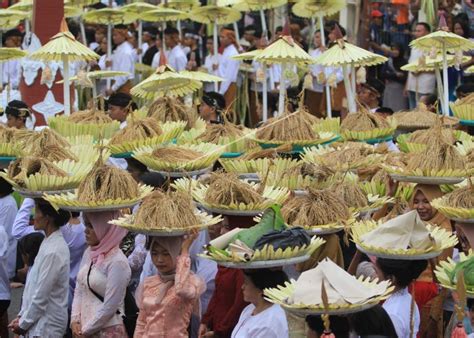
point(227, 302)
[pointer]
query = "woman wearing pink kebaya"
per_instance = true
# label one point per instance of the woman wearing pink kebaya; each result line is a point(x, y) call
point(167, 300)
point(105, 272)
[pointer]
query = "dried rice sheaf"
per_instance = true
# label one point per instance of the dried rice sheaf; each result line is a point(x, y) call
point(421, 117)
point(438, 156)
point(227, 189)
point(297, 126)
point(352, 195)
point(363, 121)
point(137, 130)
point(167, 109)
point(106, 182)
point(270, 153)
point(173, 210)
point(319, 207)
point(433, 134)
point(460, 198)
point(22, 168)
point(215, 132)
point(176, 154)
point(44, 139)
point(93, 116)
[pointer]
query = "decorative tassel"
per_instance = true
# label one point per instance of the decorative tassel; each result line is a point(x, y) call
point(332, 81)
point(458, 59)
point(361, 75)
point(422, 61)
point(260, 75)
point(46, 75)
point(459, 331)
point(83, 80)
point(433, 53)
point(308, 81)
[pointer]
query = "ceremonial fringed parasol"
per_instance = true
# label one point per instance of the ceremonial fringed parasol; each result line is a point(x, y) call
point(64, 47)
point(319, 8)
point(71, 11)
point(25, 6)
point(283, 51)
point(181, 5)
point(433, 65)
point(109, 17)
point(89, 79)
point(163, 14)
point(216, 15)
point(444, 41)
point(348, 55)
point(139, 8)
point(261, 6)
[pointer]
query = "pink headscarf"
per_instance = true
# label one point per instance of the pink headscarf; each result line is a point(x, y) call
point(109, 236)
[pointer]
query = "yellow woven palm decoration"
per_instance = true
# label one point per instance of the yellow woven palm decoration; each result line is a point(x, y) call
point(430, 64)
point(72, 11)
point(10, 18)
point(138, 7)
point(182, 5)
point(162, 14)
point(284, 49)
point(257, 5)
point(24, 6)
point(107, 16)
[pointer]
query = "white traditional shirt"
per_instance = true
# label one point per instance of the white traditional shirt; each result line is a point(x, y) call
point(8, 210)
point(4, 279)
point(45, 298)
point(110, 280)
point(209, 61)
point(398, 307)
point(156, 60)
point(12, 73)
point(73, 235)
point(228, 68)
point(123, 59)
point(328, 72)
point(423, 83)
point(177, 59)
point(270, 323)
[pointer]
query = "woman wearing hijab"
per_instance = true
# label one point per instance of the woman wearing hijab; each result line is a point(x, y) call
point(45, 298)
point(429, 300)
point(166, 300)
point(102, 280)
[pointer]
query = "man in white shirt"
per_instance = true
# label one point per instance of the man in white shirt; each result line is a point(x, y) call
point(176, 56)
point(228, 68)
point(423, 83)
point(11, 69)
point(123, 59)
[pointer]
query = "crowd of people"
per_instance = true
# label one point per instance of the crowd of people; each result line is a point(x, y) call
point(84, 277)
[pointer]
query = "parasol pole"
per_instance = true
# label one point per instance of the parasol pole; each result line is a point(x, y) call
point(264, 23)
point(27, 26)
point(163, 41)
point(323, 42)
point(94, 90)
point(140, 39)
point(178, 26)
point(264, 94)
point(83, 31)
point(214, 38)
point(67, 100)
point(445, 81)
point(439, 84)
point(109, 49)
point(237, 36)
point(347, 84)
point(353, 79)
point(281, 97)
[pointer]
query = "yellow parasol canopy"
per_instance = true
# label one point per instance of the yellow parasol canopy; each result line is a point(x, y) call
point(11, 54)
point(98, 74)
point(200, 76)
point(314, 8)
point(215, 14)
point(165, 81)
point(106, 16)
point(248, 55)
point(182, 5)
point(163, 14)
point(344, 53)
point(443, 39)
point(284, 49)
point(24, 5)
point(138, 7)
point(9, 18)
point(80, 2)
point(257, 5)
point(72, 11)
point(223, 3)
point(430, 64)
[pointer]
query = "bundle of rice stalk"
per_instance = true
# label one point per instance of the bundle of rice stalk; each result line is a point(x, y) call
point(364, 126)
point(183, 158)
point(35, 174)
point(167, 213)
point(343, 158)
point(53, 153)
point(440, 160)
point(296, 128)
point(441, 238)
point(168, 109)
point(421, 118)
point(272, 153)
point(142, 133)
point(8, 145)
point(259, 165)
point(319, 209)
point(463, 108)
point(44, 139)
point(235, 138)
point(297, 177)
point(226, 192)
point(458, 204)
point(104, 188)
point(88, 122)
point(357, 199)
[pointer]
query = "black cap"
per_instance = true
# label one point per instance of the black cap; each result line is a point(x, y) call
point(17, 108)
point(171, 31)
point(375, 85)
point(121, 26)
point(120, 100)
point(214, 100)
